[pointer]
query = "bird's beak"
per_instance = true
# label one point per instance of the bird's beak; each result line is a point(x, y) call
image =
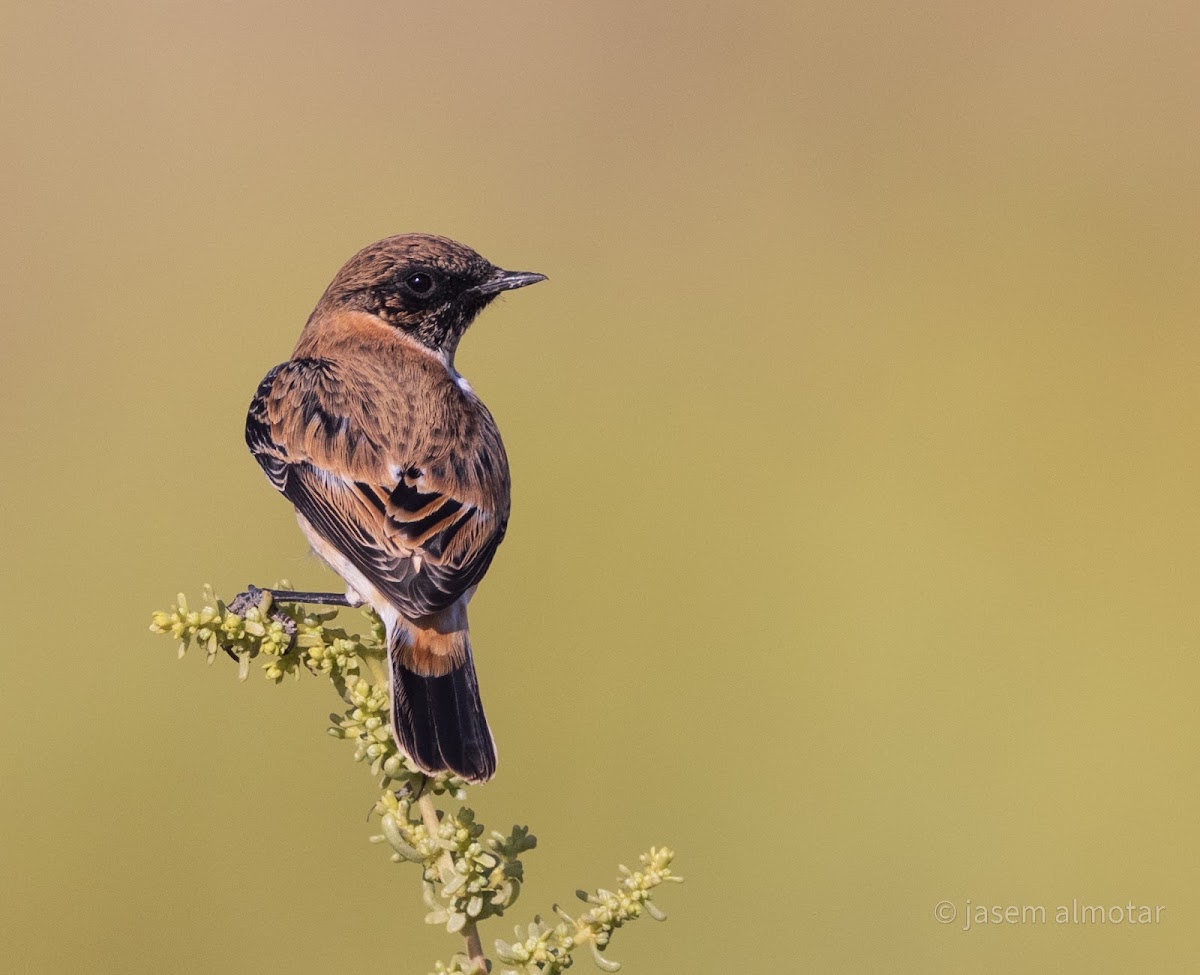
point(503, 280)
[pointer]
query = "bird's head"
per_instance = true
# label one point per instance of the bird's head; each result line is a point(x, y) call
point(430, 287)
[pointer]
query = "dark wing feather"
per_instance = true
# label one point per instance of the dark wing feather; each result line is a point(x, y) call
point(369, 484)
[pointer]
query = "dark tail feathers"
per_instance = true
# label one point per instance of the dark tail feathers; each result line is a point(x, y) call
point(439, 723)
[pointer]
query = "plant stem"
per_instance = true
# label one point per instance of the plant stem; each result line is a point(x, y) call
point(446, 869)
point(475, 947)
point(430, 819)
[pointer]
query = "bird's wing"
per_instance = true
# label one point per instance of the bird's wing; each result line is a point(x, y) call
point(422, 531)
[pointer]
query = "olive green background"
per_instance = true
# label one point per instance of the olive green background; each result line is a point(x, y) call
point(854, 548)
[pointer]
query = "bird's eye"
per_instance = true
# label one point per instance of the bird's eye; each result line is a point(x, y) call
point(420, 282)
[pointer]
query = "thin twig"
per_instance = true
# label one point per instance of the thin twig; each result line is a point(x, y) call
point(430, 819)
point(446, 869)
point(475, 948)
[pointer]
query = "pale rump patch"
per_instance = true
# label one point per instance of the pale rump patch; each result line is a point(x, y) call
point(359, 589)
point(428, 649)
point(431, 646)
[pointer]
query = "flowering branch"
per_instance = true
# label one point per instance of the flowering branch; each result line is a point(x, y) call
point(466, 876)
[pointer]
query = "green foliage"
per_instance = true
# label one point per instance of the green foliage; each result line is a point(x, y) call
point(547, 950)
point(468, 873)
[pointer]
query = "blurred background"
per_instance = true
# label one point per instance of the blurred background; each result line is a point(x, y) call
point(855, 538)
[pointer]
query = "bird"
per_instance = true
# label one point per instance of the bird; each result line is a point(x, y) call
point(398, 474)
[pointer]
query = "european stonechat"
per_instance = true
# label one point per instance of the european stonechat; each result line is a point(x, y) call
point(398, 474)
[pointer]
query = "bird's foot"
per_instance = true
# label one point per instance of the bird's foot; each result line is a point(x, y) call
point(252, 596)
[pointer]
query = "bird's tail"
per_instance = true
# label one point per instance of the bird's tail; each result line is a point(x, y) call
point(437, 714)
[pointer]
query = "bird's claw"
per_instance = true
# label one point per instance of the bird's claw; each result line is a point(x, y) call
point(245, 600)
point(250, 598)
